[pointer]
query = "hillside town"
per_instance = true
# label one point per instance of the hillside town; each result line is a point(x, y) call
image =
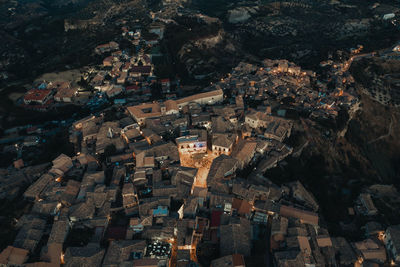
point(180, 183)
point(159, 177)
point(124, 75)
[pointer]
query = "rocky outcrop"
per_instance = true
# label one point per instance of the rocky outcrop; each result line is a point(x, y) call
point(201, 57)
point(240, 14)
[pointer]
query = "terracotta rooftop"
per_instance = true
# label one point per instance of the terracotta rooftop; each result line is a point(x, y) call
point(36, 95)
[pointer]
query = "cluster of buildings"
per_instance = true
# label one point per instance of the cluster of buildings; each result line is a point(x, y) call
point(164, 181)
point(122, 72)
point(283, 86)
point(133, 167)
point(42, 96)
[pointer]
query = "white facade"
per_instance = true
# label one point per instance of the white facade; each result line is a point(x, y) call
point(218, 150)
point(191, 145)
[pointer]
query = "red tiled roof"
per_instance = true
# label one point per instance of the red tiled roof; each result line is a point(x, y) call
point(36, 94)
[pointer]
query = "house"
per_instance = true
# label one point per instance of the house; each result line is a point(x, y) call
point(51, 255)
point(65, 95)
point(59, 232)
point(30, 234)
point(157, 28)
point(147, 262)
point(223, 143)
point(108, 47)
point(201, 120)
point(367, 205)
point(34, 190)
point(122, 78)
point(82, 211)
point(123, 252)
point(303, 215)
point(53, 251)
point(241, 207)
point(108, 135)
point(11, 256)
point(126, 67)
point(63, 89)
point(222, 169)
point(235, 238)
point(131, 135)
point(148, 162)
point(303, 196)
point(221, 125)
point(90, 179)
point(247, 131)
point(279, 227)
point(190, 207)
point(91, 255)
point(392, 242)
point(154, 110)
point(256, 119)
point(165, 83)
point(69, 195)
point(191, 144)
point(371, 250)
point(138, 71)
point(61, 165)
point(38, 96)
point(290, 258)
point(132, 88)
point(347, 256)
point(244, 152)
point(114, 90)
point(136, 225)
point(46, 207)
point(143, 111)
point(183, 258)
point(239, 102)
point(278, 129)
point(150, 136)
point(129, 197)
point(207, 98)
point(235, 260)
point(160, 211)
point(108, 61)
